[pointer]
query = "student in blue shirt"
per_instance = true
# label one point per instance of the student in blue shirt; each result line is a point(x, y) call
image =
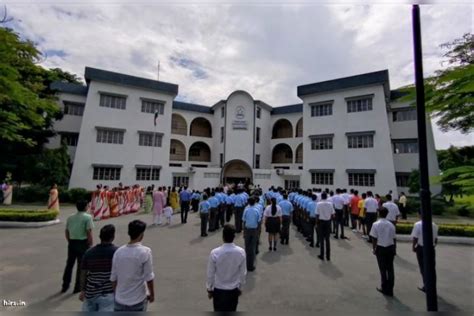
point(195, 198)
point(251, 218)
point(185, 198)
point(229, 204)
point(222, 207)
point(204, 208)
point(214, 204)
point(239, 204)
point(286, 209)
point(311, 206)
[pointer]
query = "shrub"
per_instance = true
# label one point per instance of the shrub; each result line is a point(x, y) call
point(78, 194)
point(27, 215)
point(443, 229)
point(38, 193)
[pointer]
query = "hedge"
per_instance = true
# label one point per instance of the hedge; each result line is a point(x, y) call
point(27, 215)
point(458, 230)
point(37, 193)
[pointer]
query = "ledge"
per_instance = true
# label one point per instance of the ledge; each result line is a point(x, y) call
point(8, 224)
point(442, 239)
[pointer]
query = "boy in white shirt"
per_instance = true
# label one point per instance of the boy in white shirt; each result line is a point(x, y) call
point(168, 211)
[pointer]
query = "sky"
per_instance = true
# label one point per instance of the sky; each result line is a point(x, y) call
point(211, 48)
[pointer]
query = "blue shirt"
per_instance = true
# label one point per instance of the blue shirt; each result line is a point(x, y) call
point(229, 200)
point(213, 202)
point(195, 196)
point(184, 196)
point(239, 200)
point(260, 209)
point(286, 207)
point(220, 197)
point(312, 209)
point(251, 217)
point(204, 207)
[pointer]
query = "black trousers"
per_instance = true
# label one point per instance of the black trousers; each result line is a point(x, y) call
point(228, 212)
point(403, 210)
point(354, 220)
point(419, 257)
point(346, 215)
point(221, 215)
point(251, 239)
point(184, 211)
point(204, 220)
point(324, 233)
point(285, 229)
point(239, 210)
point(75, 251)
point(195, 205)
point(339, 222)
point(311, 228)
point(225, 300)
point(385, 256)
point(370, 219)
point(212, 219)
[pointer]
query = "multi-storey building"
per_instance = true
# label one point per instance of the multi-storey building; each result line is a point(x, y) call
point(349, 132)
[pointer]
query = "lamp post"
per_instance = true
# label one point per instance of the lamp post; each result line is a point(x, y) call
point(429, 272)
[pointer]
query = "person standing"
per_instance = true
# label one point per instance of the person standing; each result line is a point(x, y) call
point(96, 289)
point(239, 204)
point(204, 208)
point(324, 214)
point(250, 219)
point(132, 272)
point(361, 206)
point(148, 200)
point(371, 206)
point(393, 211)
point(272, 219)
point(226, 272)
point(168, 212)
point(79, 237)
point(7, 190)
point(354, 206)
point(311, 206)
point(159, 202)
point(185, 198)
point(402, 203)
point(383, 245)
point(338, 202)
point(213, 211)
point(195, 198)
point(286, 211)
point(417, 235)
point(174, 199)
point(53, 201)
point(229, 202)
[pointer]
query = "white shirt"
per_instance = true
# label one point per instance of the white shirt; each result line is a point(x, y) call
point(226, 268)
point(338, 202)
point(393, 211)
point(268, 211)
point(384, 231)
point(132, 267)
point(347, 198)
point(325, 210)
point(371, 205)
point(417, 232)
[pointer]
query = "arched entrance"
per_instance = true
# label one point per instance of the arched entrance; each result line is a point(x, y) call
point(236, 171)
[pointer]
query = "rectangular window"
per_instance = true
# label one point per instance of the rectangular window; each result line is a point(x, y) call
point(70, 138)
point(112, 101)
point(179, 181)
point(211, 175)
point(404, 115)
point(222, 134)
point(257, 136)
point(405, 147)
point(360, 141)
point(324, 109)
point(221, 160)
point(222, 111)
point(146, 174)
point(262, 176)
point(147, 139)
point(175, 164)
point(292, 184)
point(326, 178)
point(361, 179)
point(106, 173)
point(73, 108)
point(257, 161)
point(109, 136)
point(359, 105)
point(149, 106)
point(321, 143)
point(259, 113)
point(402, 179)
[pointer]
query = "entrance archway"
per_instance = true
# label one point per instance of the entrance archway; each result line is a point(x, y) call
point(236, 171)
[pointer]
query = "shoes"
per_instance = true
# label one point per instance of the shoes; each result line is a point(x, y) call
point(251, 269)
point(321, 257)
point(354, 231)
point(317, 245)
point(282, 242)
point(328, 259)
point(270, 248)
point(287, 242)
point(76, 291)
point(422, 288)
point(274, 248)
point(343, 237)
point(335, 237)
point(311, 245)
point(384, 293)
point(64, 289)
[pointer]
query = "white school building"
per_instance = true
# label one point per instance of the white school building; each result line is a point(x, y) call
point(349, 132)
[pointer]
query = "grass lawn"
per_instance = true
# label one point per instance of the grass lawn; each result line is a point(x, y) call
point(466, 199)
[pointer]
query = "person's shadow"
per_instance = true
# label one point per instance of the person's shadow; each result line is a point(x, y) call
point(271, 257)
point(394, 304)
point(50, 302)
point(330, 270)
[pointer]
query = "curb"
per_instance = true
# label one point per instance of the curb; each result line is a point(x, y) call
point(5, 224)
point(442, 240)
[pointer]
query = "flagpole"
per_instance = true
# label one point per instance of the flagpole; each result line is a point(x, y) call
point(153, 144)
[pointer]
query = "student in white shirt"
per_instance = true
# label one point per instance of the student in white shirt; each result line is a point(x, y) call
point(383, 243)
point(272, 220)
point(393, 211)
point(324, 214)
point(417, 235)
point(371, 206)
point(226, 272)
point(339, 202)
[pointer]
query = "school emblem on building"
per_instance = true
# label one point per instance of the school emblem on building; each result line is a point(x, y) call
point(239, 122)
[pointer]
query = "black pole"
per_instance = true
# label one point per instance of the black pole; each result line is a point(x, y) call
point(425, 195)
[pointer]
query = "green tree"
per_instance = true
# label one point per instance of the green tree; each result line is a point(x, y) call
point(414, 182)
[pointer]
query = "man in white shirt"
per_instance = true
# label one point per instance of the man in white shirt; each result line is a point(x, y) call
point(383, 243)
point(324, 213)
point(347, 200)
point(417, 235)
point(339, 202)
point(393, 211)
point(371, 206)
point(226, 271)
point(132, 272)
point(402, 202)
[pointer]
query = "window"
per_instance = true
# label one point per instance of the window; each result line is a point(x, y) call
point(112, 101)
point(359, 105)
point(179, 181)
point(402, 179)
point(146, 174)
point(263, 176)
point(404, 115)
point(70, 138)
point(222, 112)
point(257, 136)
point(194, 152)
point(198, 166)
point(109, 136)
point(221, 160)
point(405, 147)
point(361, 179)
point(321, 143)
point(326, 178)
point(222, 134)
point(106, 173)
point(212, 175)
point(73, 108)
point(149, 106)
point(259, 113)
point(147, 139)
point(281, 167)
point(321, 109)
point(257, 161)
point(292, 184)
point(175, 164)
point(360, 141)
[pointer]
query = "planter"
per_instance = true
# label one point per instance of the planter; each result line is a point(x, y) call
point(9, 224)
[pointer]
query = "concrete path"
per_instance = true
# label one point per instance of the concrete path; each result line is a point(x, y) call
point(292, 279)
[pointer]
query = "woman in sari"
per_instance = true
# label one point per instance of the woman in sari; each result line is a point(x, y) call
point(148, 201)
point(53, 201)
point(7, 193)
point(174, 199)
point(113, 204)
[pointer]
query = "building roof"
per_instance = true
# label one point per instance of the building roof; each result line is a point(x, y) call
point(67, 87)
point(286, 109)
point(127, 80)
point(378, 77)
point(397, 94)
point(192, 107)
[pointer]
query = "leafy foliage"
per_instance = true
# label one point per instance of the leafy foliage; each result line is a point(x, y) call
point(27, 215)
point(414, 182)
point(443, 229)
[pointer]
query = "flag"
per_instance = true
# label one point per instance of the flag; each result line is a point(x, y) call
point(156, 116)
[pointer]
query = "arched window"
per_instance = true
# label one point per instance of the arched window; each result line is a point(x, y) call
point(282, 129)
point(282, 153)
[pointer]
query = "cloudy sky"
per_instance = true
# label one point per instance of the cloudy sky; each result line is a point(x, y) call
point(266, 48)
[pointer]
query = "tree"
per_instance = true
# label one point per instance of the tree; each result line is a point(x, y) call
point(414, 182)
point(449, 94)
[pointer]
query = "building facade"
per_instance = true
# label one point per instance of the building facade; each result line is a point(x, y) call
point(350, 132)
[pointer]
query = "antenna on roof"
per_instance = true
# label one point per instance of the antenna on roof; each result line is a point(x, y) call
point(158, 73)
